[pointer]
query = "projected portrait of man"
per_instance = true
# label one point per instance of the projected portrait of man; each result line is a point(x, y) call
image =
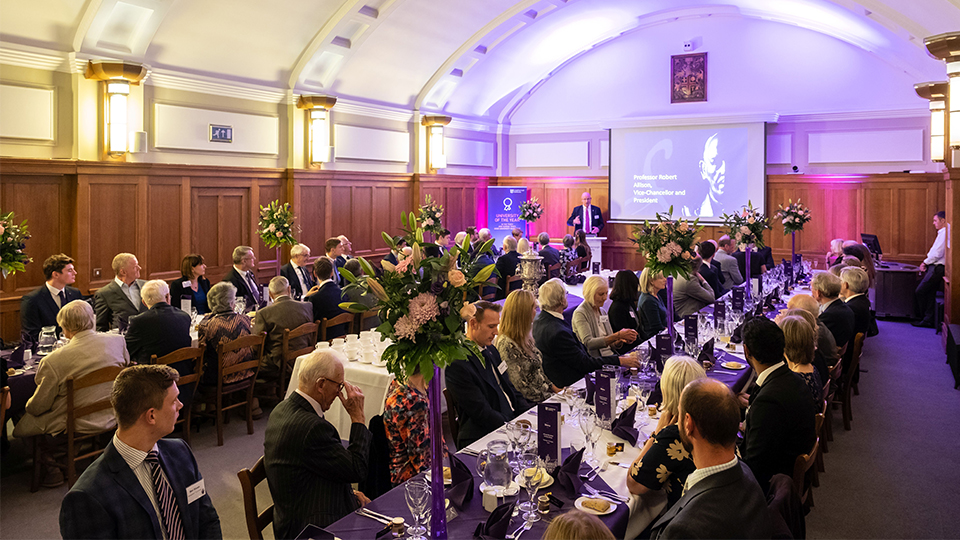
point(713, 170)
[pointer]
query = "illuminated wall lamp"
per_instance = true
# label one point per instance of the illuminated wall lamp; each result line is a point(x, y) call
point(436, 154)
point(117, 78)
point(318, 108)
point(936, 92)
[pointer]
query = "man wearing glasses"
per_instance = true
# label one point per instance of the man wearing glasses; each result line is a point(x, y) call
point(308, 470)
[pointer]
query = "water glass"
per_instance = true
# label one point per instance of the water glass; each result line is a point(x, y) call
point(590, 426)
point(533, 475)
point(417, 494)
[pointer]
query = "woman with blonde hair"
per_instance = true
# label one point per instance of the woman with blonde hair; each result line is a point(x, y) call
point(653, 314)
point(799, 345)
point(592, 325)
point(663, 463)
point(835, 254)
point(577, 525)
point(517, 349)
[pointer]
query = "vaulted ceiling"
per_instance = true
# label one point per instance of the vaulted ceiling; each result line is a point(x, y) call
point(471, 58)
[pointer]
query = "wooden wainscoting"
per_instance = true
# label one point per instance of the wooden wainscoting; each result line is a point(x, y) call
point(464, 198)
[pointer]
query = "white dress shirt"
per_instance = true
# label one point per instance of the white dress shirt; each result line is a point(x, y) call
point(136, 459)
point(313, 403)
point(700, 474)
point(299, 270)
point(938, 253)
point(133, 293)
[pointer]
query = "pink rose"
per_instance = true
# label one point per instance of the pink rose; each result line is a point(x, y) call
point(686, 255)
point(751, 221)
point(279, 234)
point(468, 311)
point(745, 230)
point(456, 278)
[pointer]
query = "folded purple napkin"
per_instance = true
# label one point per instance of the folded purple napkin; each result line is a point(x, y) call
point(706, 354)
point(591, 388)
point(497, 523)
point(16, 358)
point(461, 483)
point(678, 343)
point(568, 474)
point(623, 425)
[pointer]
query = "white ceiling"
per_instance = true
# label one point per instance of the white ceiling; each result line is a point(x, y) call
point(472, 58)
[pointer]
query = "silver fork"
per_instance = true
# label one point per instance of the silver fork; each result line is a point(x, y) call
point(525, 527)
point(606, 494)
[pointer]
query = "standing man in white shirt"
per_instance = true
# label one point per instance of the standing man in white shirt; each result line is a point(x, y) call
point(932, 269)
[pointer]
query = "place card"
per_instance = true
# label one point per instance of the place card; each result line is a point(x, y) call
point(737, 297)
point(655, 358)
point(719, 313)
point(690, 324)
point(788, 271)
point(665, 348)
point(596, 268)
point(758, 289)
point(606, 398)
point(548, 434)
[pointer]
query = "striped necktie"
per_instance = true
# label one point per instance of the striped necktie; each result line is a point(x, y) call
point(165, 499)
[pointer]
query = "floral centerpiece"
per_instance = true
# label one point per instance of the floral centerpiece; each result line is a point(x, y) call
point(430, 213)
point(531, 210)
point(793, 217)
point(276, 225)
point(423, 303)
point(746, 229)
point(668, 246)
point(12, 243)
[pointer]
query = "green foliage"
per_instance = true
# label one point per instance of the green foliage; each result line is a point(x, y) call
point(667, 245)
point(747, 226)
point(13, 239)
point(276, 225)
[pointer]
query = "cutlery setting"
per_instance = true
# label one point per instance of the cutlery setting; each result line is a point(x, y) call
point(374, 515)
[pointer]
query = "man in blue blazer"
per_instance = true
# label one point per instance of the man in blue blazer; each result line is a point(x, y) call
point(326, 297)
point(118, 496)
point(587, 217)
point(298, 272)
point(39, 308)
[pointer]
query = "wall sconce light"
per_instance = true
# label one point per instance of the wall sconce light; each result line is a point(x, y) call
point(936, 92)
point(318, 108)
point(117, 78)
point(436, 155)
point(947, 48)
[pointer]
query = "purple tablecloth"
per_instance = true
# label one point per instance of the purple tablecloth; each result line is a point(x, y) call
point(393, 504)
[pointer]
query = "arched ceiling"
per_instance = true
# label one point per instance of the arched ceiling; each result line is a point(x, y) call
point(475, 59)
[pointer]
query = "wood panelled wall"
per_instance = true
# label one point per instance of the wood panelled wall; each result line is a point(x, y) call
point(94, 210)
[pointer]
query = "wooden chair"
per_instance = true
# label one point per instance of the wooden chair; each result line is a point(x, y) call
point(510, 282)
point(803, 478)
point(256, 521)
point(288, 357)
point(452, 415)
point(363, 320)
point(835, 374)
point(343, 318)
point(585, 265)
point(554, 270)
point(214, 397)
point(183, 355)
point(44, 449)
point(4, 392)
point(826, 413)
point(573, 268)
point(818, 426)
point(487, 285)
point(847, 386)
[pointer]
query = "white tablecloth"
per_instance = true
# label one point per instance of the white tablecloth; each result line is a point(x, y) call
point(373, 381)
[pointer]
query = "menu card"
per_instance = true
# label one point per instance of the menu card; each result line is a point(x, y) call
point(788, 271)
point(596, 268)
point(606, 398)
point(719, 313)
point(548, 429)
point(665, 347)
point(738, 299)
point(655, 358)
point(690, 324)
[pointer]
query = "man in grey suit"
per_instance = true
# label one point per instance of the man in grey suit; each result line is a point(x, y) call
point(692, 294)
point(728, 263)
point(308, 470)
point(284, 314)
point(721, 498)
point(119, 299)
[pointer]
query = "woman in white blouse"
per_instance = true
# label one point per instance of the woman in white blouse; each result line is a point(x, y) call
point(591, 323)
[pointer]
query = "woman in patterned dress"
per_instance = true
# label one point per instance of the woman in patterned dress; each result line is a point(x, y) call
point(222, 325)
point(405, 418)
point(518, 351)
point(663, 463)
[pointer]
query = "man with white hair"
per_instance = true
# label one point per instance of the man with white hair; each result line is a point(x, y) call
point(565, 359)
point(344, 256)
point(507, 266)
point(298, 271)
point(835, 314)
point(485, 235)
point(729, 266)
point(161, 329)
point(308, 470)
point(118, 300)
point(854, 283)
point(87, 351)
point(284, 314)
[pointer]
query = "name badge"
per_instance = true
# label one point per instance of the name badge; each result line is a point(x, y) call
point(604, 319)
point(195, 491)
point(186, 284)
point(502, 368)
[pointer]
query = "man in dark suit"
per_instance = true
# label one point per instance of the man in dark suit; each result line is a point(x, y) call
point(707, 271)
point(854, 283)
point(779, 424)
point(587, 216)
point(358, 295)
point(39, 308)
point(161, 329)
point(834, 313)
point(284, 314)
point(565, 359)
point(326, 297)
point(118, 300)
point(334, 250)
point(242, 277)
point(123, 493)
point(550, 254)
point(308, 470)
point(507, 266)
point(298, 272)
point(722, 498)
point(346, 248)
point(484, 396)
point(442, 242)
point(757, 265)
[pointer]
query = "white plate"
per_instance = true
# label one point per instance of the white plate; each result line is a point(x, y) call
point(579, 504)
point(547, 483)
point(510, 490)
point(734, 365)
point(446, 481)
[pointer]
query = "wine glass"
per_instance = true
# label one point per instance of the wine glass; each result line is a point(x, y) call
point(644, 388)
point(589, 425)
point(533, 475)
point(418, 499)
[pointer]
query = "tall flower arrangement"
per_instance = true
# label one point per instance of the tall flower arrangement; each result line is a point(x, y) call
point(13, 239)
point(531, 210)
point(747, 226)
point(276, 224)
point(793, 217)
point(430, 214)
point(668, 244)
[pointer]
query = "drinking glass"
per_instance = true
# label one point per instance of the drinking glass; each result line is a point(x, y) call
point(418, 500)
point(645, 388)
point(533, 475)
point(48, 337)
point(589, 425)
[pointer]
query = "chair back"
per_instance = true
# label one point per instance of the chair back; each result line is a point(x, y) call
point(364, 318)
point(256, 521)
point(452, 414)
point(854, 359)
point(4, 392)
point(491, 284)
point(74, 385)
point(554, 270)
point(343, 318)
point(182, 355)
point(288, 356)
point(511, 280)
point(377, 481)
point(254, 342)
point(802, 477)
